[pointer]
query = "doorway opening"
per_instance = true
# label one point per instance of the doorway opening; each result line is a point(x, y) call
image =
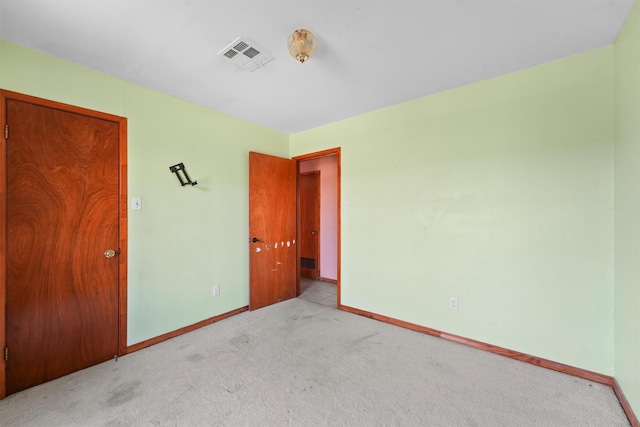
point(319, 227)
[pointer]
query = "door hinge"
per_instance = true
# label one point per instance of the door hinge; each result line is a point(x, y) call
point(6, 131)
point(6, 353)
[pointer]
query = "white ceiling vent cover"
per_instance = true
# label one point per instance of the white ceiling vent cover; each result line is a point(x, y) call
point(245, 54)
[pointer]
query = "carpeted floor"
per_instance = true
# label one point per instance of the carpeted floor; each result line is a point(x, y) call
point(304, 364)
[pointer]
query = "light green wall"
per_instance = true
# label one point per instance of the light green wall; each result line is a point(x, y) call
point(500, 194)
point(184, 240)
point(627, 209)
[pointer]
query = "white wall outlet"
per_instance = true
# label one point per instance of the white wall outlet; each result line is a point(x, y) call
point(216, 290)
point(453, 303)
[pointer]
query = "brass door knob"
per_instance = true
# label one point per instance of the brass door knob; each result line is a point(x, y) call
point(109, 253)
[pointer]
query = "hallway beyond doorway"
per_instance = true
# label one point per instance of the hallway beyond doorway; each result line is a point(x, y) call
point(319, 292)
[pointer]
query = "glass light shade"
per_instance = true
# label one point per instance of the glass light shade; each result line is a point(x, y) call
point(302, 44)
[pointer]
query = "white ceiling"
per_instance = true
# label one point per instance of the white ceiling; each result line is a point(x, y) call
point(371, 53)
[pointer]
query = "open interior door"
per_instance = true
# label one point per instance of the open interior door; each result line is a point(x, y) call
point(272, 230)
point(309, 199)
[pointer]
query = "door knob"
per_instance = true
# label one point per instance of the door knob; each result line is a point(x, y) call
point(314, 232)
point(109, 253)
point(255, 239)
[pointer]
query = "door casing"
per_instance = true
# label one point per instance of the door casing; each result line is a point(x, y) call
point(317, 155)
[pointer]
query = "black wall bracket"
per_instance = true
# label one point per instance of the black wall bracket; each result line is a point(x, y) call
point(181, 173)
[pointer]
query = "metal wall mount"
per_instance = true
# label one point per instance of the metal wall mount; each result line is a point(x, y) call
point(181, 173)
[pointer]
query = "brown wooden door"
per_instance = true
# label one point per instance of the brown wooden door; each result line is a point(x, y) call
point(309, 196)
point(62, 214)
point(272, 230)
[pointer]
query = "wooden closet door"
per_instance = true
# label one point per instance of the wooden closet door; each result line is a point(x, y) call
point(62, 215)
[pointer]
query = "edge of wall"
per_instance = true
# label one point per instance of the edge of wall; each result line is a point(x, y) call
point(522, 357)
point(625, 404)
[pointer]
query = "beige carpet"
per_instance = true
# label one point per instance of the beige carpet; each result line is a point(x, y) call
point(303, 364)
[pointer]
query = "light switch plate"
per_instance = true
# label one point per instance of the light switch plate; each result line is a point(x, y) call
point(136, 203)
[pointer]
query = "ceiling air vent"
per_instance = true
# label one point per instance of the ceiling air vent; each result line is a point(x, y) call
point(245, 54)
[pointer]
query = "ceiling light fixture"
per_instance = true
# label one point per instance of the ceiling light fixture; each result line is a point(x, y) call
point(302, 44)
